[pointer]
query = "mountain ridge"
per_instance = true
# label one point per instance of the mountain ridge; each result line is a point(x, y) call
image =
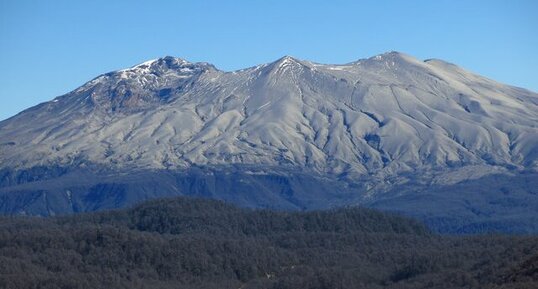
point(118, 96)
point(371, 125)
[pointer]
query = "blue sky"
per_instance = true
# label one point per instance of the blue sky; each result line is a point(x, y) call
point(48, 48)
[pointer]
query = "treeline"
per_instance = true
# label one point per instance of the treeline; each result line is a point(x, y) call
point(192, 243)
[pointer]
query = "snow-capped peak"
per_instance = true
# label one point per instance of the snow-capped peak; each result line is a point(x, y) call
point(286, 59)
point(285, 64)
point(167, 62)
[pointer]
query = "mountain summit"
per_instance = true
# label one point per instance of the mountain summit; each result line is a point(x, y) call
point(367, 127)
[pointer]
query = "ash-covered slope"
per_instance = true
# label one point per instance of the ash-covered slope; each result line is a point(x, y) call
point(370, 126)
point(389, 113)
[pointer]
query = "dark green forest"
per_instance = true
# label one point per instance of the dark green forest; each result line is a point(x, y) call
point(194, 243)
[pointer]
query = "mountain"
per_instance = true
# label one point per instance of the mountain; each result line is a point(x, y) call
point(195, 243)
point(424, 138)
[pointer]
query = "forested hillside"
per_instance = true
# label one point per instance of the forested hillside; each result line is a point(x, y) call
point(193, 243)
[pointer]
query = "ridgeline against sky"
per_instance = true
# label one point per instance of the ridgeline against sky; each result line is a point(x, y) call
point(49, 49)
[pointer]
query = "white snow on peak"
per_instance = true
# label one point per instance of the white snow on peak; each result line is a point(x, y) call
point(146, 63)
point(287, 61)
point(146, 66)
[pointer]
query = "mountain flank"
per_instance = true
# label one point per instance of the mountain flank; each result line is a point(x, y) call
point(424, 138)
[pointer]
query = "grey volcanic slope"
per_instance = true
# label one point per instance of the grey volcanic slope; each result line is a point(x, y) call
point(291, 134)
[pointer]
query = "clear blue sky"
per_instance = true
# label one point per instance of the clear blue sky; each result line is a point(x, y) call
point(48, 48)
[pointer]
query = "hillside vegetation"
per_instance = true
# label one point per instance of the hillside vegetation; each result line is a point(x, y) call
point(193, 243)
